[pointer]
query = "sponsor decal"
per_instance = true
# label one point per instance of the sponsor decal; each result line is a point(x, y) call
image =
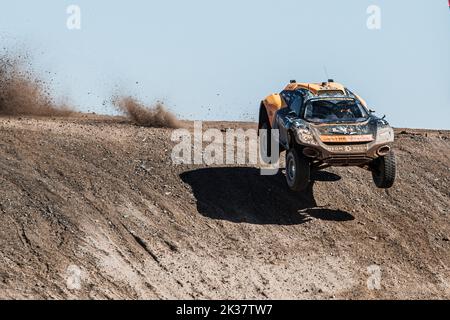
point(348, 149)
point(346, 138)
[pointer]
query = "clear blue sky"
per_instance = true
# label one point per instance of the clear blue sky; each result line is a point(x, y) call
point(212, 59)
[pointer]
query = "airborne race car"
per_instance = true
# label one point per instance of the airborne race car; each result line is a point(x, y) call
point(323, 125)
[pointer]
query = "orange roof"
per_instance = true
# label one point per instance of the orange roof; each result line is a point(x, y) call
point(315, 88)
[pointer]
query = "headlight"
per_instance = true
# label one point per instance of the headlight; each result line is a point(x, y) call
point(381, 124)
point(305, 135)
point(385, 135)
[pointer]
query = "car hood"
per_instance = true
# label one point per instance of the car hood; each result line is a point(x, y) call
point(363, 128)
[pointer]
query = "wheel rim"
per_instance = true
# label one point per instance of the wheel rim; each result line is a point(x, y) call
point(291, 169)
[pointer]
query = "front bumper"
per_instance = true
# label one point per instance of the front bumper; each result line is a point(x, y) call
point(345, 154)
point(345, 144)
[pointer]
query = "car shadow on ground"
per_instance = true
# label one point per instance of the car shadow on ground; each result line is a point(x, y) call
point(325, 176)
point(242, 195)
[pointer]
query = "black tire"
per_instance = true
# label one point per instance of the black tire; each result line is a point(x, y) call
point(298, 170)
point(384, 171)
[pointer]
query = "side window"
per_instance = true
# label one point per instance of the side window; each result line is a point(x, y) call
point(290, 96)
point(297, 105)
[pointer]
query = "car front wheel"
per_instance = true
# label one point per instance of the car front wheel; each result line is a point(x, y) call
point(298, 170)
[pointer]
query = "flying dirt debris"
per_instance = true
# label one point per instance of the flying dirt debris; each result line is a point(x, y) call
point(156, 116)
point(22, 93)
point(324, 125)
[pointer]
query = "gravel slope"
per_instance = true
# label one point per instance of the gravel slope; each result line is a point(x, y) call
point(99, 198)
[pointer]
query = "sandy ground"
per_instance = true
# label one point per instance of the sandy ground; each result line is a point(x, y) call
point(92, 207)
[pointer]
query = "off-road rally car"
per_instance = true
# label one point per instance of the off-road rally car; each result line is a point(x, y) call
point(321, 125)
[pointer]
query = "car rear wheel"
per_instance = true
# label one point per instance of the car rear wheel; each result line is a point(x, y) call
point(298, 170)
point(384, 171)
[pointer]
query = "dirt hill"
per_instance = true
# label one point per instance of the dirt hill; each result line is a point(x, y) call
point(92, 207)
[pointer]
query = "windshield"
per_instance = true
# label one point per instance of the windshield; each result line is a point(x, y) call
point(323, 111)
